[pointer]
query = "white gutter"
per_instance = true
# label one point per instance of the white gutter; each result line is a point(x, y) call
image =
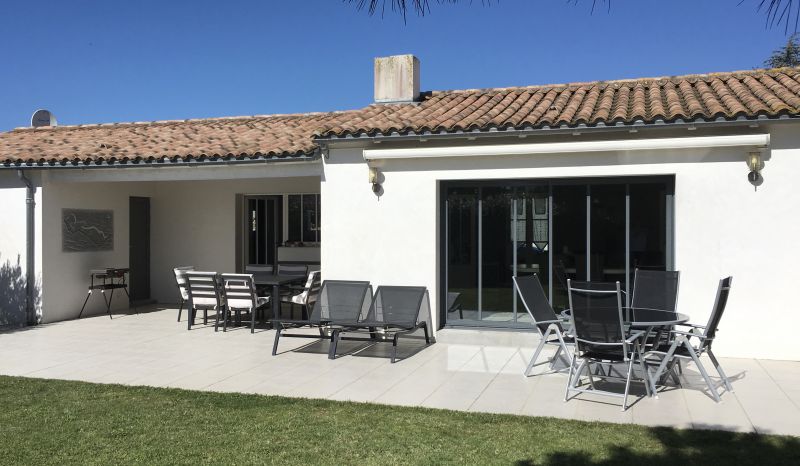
point(702, 142)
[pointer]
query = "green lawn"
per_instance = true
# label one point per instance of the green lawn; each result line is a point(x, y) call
point(58, 422)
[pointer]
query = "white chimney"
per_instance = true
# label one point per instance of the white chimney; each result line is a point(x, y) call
point(396, 79)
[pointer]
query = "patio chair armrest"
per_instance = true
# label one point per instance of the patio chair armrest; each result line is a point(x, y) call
point(689, 334)
point(555, 321)
point(634, 336)
point(691, 325)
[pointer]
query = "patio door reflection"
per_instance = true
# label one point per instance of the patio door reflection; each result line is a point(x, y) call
point(597, 230)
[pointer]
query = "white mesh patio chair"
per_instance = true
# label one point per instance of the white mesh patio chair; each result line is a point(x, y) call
point(308, 296)
point(601, 338)
point(544, 318)
point(681, 347)
point(204, 293)
point(240, 295)
point(180, 280)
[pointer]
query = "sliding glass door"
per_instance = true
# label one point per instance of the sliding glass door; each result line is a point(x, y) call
point(595, 229)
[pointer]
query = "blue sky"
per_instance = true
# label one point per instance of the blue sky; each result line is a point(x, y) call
point(111, 61)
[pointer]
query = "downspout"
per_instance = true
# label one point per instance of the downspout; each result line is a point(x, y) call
point(30, 268)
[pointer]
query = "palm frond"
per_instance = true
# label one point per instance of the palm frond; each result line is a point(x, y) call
point(777, 12)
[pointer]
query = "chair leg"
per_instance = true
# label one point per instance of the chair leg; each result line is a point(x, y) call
point(216, 321)
point(180, 309)
point(277, 337)
point(334, 343)
point(627, 385)
point(425, 329)
point(664, 363)
point(394, 347)
point(648, 382)
point(253, 320)
point(724, 377)
point(574, 375)
point(205, 316)
point(569, 378)
point(535, 355)
point(702, 370)
point(190, 313)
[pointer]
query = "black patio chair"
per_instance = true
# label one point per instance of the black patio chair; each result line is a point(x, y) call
point(544, 319)
point(680, 347)
point(395, 311)
point(601, 337)
point(337, 301)
point(655, 289)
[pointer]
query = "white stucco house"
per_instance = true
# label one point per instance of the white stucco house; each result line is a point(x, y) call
point(454, 190)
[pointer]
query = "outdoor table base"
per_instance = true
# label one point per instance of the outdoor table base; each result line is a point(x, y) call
point(276, 282)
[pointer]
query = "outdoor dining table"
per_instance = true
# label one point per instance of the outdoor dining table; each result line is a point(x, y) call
point(647, 320)
point(276, 282)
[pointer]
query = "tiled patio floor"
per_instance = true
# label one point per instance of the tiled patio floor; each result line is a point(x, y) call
point(465, 370)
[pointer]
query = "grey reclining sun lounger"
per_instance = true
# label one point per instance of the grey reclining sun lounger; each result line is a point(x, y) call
point(395, 311)
point(338, 301)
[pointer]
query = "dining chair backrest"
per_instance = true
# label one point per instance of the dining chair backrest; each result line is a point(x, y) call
point(397, 306)
point(452, 300)
point(596, 313)
point(239, 290)
point(300, 270)
point(720, 301)
point(204, 290)
point(561, 273)
point(311, 289)
point(341, 301)
point(535, 301)
point(180, 279)
point(655, 289)
point(262, 269)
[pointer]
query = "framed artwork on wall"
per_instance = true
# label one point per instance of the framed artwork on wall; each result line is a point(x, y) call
point(84, 230)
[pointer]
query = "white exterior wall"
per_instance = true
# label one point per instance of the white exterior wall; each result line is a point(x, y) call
point(65, 275)
point(723, 226)
point(194, 223)
point(191, 223)
point(13, 223)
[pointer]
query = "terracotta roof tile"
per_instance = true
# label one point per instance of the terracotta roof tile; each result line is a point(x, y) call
point(273, 136)
point(749, 94)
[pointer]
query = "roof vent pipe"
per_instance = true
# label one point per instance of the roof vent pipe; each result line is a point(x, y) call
point(396, 79)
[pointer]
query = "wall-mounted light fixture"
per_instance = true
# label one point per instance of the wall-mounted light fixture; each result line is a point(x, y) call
point(374, 179)
point(754, 164)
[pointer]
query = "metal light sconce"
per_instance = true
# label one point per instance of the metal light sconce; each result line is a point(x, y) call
point(754, 163)
point(374, 179)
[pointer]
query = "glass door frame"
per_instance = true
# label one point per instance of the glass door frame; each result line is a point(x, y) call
point(276, 224)
point(444, 185)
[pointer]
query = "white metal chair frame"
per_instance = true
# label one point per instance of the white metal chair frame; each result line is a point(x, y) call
point(705, 335)
point(554, 327)
point(631, 351)
point(309, 294)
